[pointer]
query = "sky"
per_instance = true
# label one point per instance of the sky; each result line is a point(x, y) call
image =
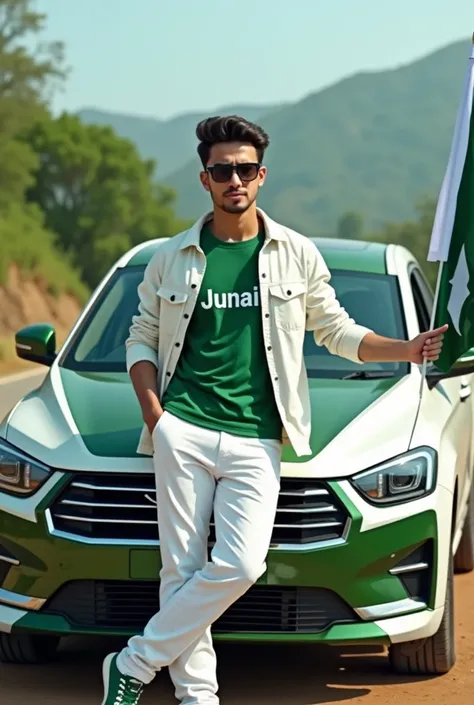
point(160, 58)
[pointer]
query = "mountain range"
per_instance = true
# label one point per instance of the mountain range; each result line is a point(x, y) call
point(374, 143)
point(171, 143)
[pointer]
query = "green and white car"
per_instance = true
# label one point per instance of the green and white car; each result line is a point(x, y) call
point(369, 529)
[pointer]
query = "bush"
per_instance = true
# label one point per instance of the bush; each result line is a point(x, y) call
point(25, 243)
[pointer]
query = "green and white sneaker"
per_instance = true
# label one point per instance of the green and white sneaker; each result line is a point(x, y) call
point(119, 689)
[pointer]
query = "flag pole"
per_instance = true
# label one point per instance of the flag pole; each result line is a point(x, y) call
point(433, 319)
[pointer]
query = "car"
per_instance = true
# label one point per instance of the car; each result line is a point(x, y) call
point(370, 527)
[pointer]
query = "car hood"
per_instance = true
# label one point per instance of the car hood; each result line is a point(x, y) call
point(79, 420)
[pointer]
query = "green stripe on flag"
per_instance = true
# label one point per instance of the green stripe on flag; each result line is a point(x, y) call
point(456, 295)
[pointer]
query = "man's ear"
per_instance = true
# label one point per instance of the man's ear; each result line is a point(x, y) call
point(204, 177)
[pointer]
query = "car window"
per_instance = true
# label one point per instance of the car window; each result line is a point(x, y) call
point(99, 344)
point(372, 300)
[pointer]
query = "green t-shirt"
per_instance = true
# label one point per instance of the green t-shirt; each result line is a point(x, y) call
point(222, 380)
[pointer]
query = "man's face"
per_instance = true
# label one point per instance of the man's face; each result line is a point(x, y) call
point(232, 191)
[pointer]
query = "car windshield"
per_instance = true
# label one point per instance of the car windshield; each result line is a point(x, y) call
point(372, 300)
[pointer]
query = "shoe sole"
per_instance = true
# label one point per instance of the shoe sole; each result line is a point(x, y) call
point(106, 675)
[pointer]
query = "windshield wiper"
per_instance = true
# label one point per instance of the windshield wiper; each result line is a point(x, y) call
point(374, 374)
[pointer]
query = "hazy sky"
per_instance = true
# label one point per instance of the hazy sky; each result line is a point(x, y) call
point(163, 57)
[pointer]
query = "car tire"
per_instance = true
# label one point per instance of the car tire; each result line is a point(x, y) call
point(464, 557)
point(28, 648)
point(434, 655)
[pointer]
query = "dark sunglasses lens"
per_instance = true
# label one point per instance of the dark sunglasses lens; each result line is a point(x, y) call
point(247, 172)
point(222, 172)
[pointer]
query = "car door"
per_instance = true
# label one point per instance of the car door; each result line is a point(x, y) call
point(458, 426)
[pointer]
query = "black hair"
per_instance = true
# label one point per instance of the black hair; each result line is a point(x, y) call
point(230, 128)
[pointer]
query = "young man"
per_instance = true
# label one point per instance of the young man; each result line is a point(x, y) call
point(215, 355)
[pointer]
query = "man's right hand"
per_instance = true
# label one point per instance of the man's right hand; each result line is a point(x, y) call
point(143, 375)
point(152, 418)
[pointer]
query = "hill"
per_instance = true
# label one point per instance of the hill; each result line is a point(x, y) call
point(374, 143)
point(171, 143)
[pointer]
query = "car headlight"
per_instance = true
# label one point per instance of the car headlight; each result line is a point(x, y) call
point(18, 473)
point(410, 476)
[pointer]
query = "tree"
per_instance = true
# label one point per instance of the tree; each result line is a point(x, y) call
point(29, 71)
point(350, 226)
point(97, 194)
point(26, 78)
point(414, 235)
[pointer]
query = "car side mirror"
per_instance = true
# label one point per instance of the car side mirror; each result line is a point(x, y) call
point(463, 366)
point(37, 343)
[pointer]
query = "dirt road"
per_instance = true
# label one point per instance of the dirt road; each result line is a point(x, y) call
point(263, 675)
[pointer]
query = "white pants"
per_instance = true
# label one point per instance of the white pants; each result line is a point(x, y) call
point(198, 471)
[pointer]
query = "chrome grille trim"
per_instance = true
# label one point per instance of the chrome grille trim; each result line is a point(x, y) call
point(303, 493)
point(155, 543)
point(403, 569)
point(296, 510)
point(92, 520)
point(103, 505)
point(307, 510)
point(68, 536)
point(10, 561)
point(314, 525)
point(91, 509)
point(110, 488)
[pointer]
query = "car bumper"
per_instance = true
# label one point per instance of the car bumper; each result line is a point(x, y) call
point(383, 632)
point(361, 573)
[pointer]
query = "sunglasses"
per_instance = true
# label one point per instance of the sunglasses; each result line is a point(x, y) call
point(224, 172)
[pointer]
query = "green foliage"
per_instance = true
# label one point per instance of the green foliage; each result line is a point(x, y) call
point(25, 243)
point(350, 226)
point(414, 235)
point(73, 198)
point(96, 193)
point(26, 76)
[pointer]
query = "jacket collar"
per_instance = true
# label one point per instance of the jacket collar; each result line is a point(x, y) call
point(273, 230)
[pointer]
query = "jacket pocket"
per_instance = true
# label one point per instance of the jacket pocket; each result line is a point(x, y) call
point(172, 296)
point(288, 305)
point(172, 306)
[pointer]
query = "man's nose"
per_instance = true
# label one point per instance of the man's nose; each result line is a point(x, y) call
point(235, 180)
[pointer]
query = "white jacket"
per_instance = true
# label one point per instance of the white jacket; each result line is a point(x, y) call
point(295, 295)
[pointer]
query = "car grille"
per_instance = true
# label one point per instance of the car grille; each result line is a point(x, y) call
point(126, 606)
point(122, 508)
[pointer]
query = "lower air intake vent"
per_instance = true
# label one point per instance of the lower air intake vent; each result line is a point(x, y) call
point(126, 606)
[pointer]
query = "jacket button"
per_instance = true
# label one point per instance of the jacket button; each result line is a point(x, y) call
point(172, 297)
point(276, 379)
point(269, 347)
point(267, 315)
point(168, 374)
point(288, 292)
point(186, 315)
point(193, 286)
point(263, 275)
point(177, 345)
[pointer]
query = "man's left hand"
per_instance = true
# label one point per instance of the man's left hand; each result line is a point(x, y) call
point(426, 346)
